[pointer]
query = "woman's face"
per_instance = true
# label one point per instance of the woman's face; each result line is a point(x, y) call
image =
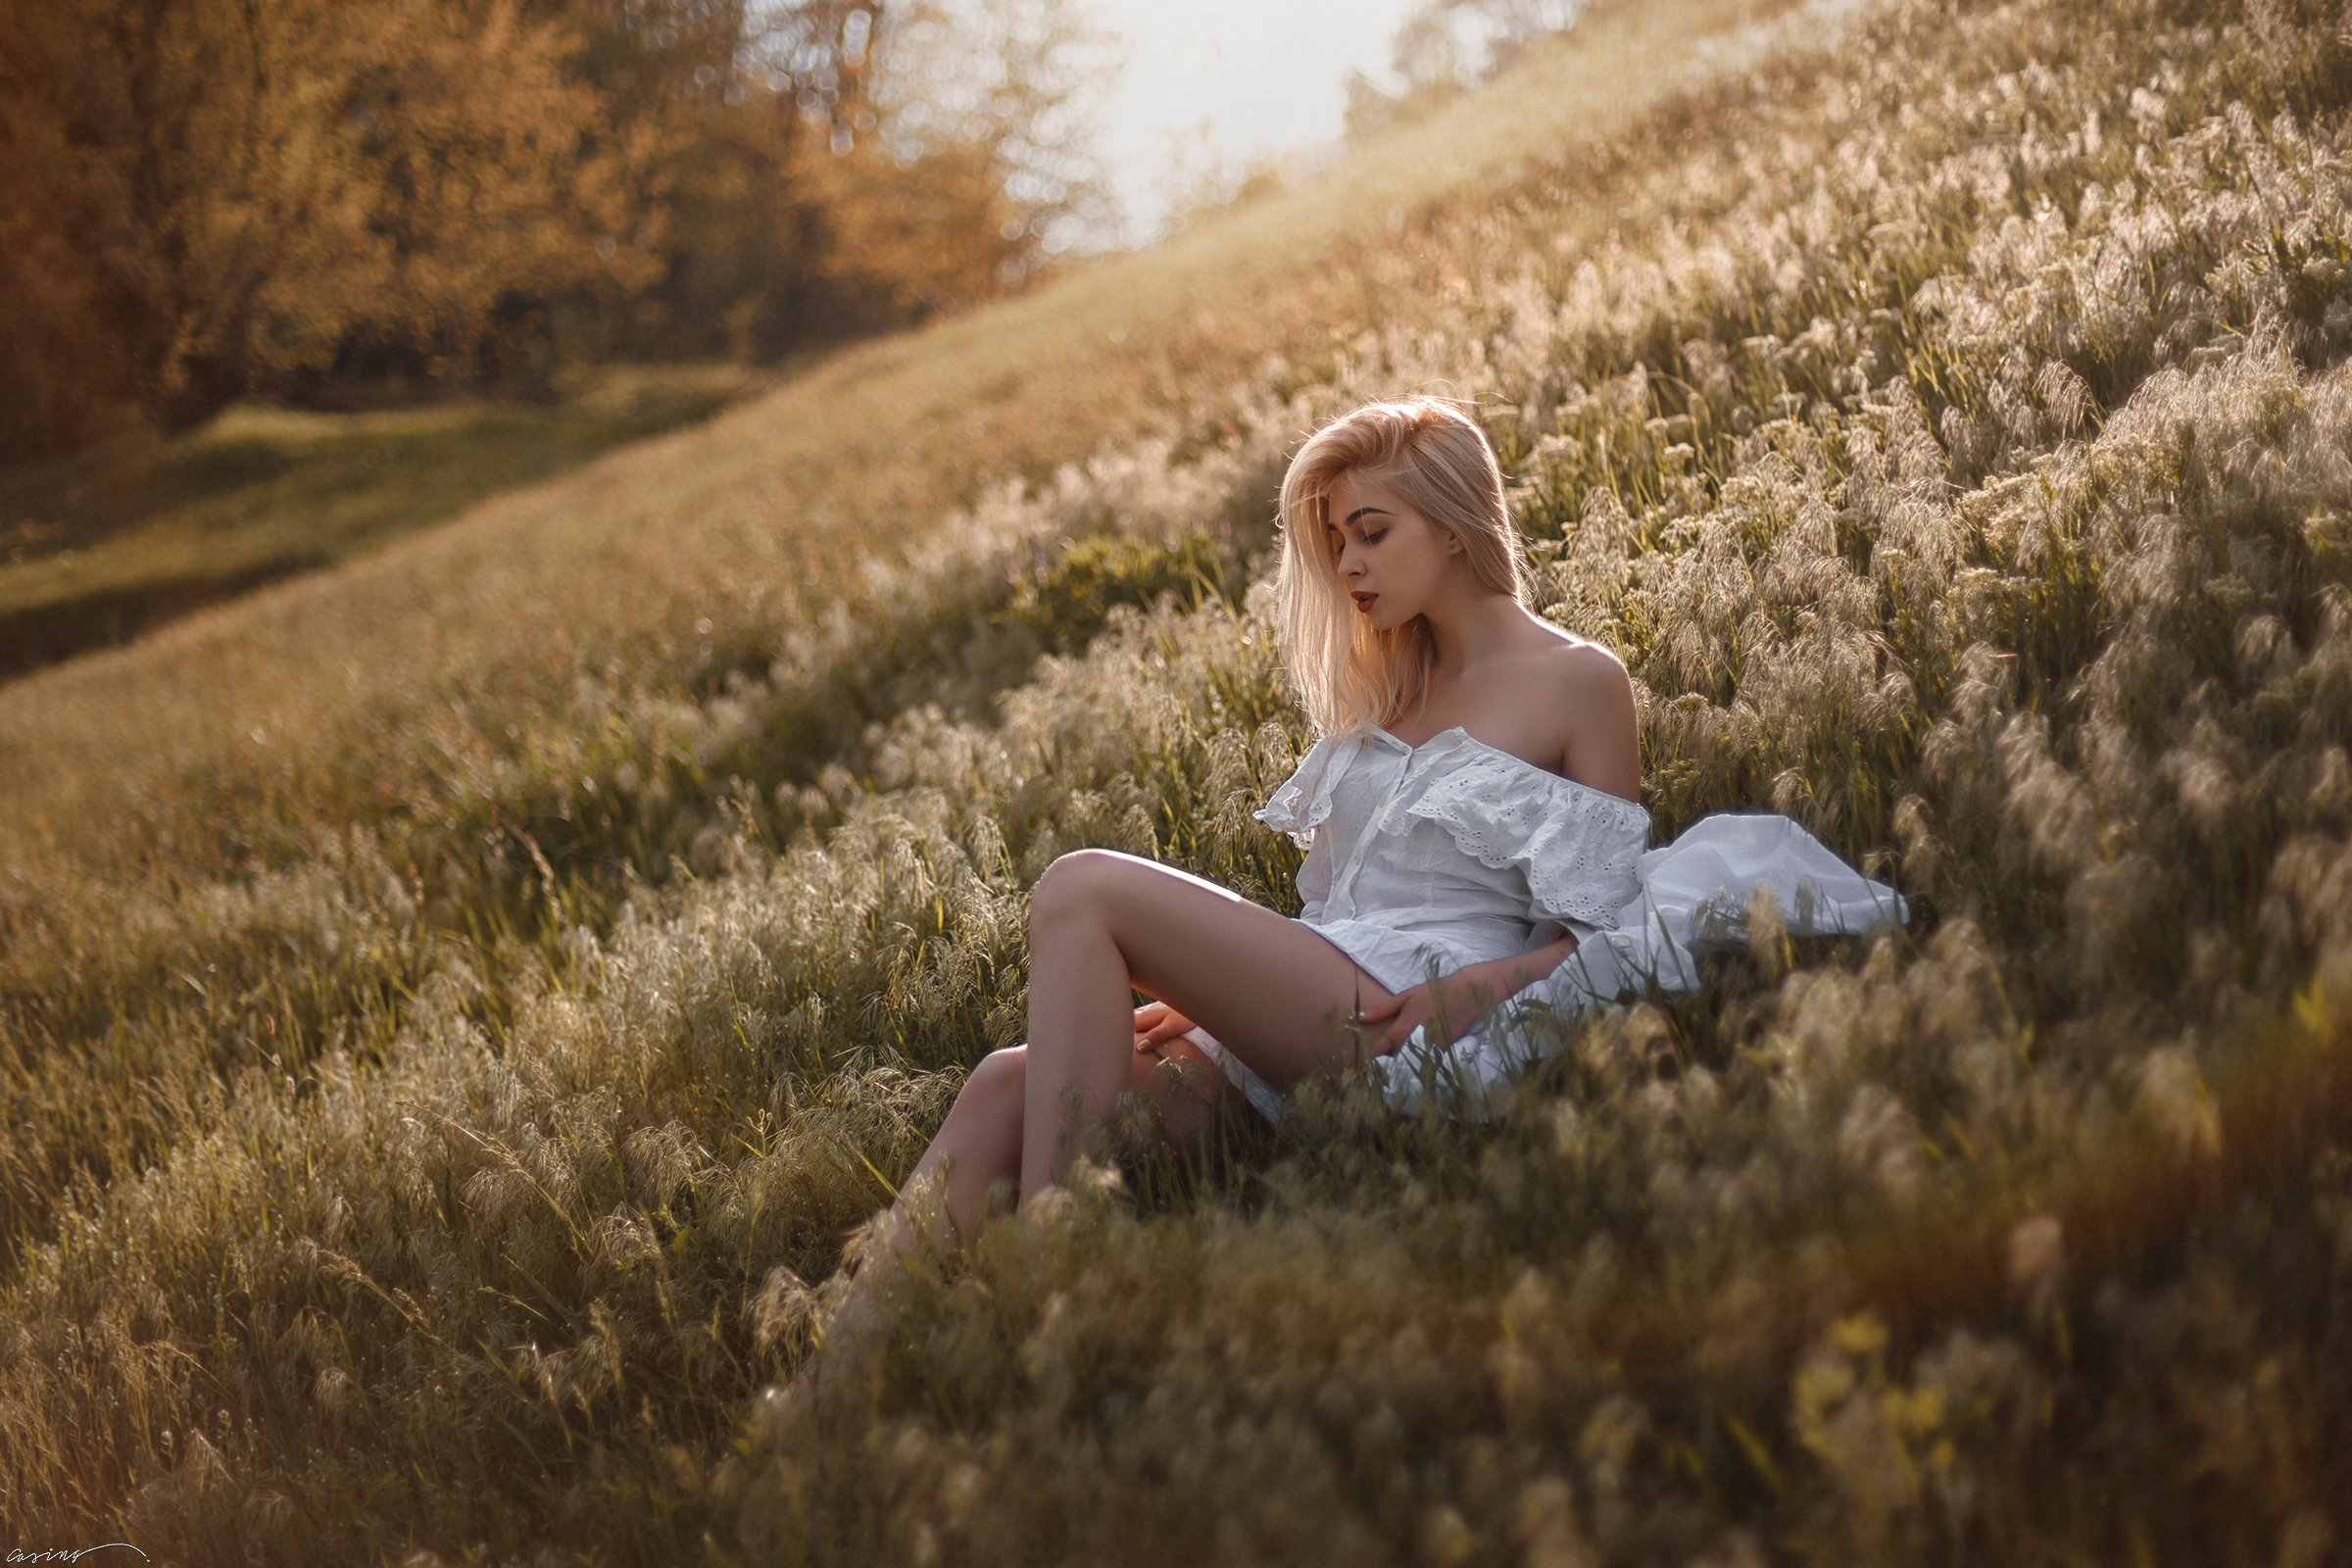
point(1391, 559)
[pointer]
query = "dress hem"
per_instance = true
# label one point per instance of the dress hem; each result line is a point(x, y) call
point(1376, 950)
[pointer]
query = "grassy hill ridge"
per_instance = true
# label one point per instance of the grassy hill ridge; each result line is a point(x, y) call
point(1960, 470)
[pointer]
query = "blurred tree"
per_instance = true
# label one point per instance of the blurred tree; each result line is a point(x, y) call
point(210, 192)
point(1443, 46)
point(209, 198)
point(1202, 178)
point(1504, 27)
point(828, 168)
point(60, 373)
point(977, 169)
point(739, 97)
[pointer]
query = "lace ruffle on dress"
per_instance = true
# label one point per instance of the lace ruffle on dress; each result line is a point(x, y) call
point(1422, 859)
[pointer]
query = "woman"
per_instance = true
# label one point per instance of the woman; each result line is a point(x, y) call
point(1470, 809)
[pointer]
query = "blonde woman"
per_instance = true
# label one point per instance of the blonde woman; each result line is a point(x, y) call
point(1472, 834)
point(1472, 800)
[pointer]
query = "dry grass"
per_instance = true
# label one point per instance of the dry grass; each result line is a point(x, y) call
point(1951, 433)
point(113, 540)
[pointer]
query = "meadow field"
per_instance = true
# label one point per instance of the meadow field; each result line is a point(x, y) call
point(113, 540)
point(457, 1008)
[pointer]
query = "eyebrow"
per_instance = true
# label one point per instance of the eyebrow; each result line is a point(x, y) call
point(1360, 510)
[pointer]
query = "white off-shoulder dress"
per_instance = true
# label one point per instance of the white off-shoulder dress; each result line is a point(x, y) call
point(1423, 859)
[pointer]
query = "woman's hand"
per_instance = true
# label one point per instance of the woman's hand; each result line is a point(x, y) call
point(1449, 1005)
point(1444, 1009)
point(1157, 1021)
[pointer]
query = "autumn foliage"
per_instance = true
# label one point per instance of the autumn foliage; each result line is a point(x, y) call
point(324, 202)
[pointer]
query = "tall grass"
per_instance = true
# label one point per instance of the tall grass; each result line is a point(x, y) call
point(1952, 436)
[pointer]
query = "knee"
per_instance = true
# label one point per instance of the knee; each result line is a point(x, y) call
point(1002, 1076)
point(1070, 886)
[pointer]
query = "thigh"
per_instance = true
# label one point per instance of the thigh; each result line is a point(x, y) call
point(1274, 992)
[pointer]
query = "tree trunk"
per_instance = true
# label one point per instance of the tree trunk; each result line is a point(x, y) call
point(202, 389)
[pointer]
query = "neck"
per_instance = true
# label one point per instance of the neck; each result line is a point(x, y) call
point(1469, 625)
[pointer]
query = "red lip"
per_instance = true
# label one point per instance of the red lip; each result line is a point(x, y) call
point(1364, 601)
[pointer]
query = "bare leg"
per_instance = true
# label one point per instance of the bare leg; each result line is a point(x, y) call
point(979, 1145)
point(976, 1147)
point(1272, 992)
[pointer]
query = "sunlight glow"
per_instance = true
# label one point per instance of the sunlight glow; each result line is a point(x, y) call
point(1210, 84)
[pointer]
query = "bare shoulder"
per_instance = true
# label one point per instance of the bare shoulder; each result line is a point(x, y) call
point(1582, 665)
point(1591, 700)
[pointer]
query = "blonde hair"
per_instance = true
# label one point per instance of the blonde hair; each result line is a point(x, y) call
point(1431, 452)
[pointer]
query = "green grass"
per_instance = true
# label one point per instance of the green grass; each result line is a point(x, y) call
point(116, 539)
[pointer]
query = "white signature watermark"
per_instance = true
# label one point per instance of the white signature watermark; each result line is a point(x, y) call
point(65, 1554)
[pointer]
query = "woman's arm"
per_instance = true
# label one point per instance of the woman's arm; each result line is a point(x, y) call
point(1518, 971)
point(1449, 1005)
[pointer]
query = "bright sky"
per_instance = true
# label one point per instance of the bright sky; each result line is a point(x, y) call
point(1267, 75)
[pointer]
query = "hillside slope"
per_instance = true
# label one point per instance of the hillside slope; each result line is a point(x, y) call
point(112, 541)
point(1949, 428)
point(489, 620)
